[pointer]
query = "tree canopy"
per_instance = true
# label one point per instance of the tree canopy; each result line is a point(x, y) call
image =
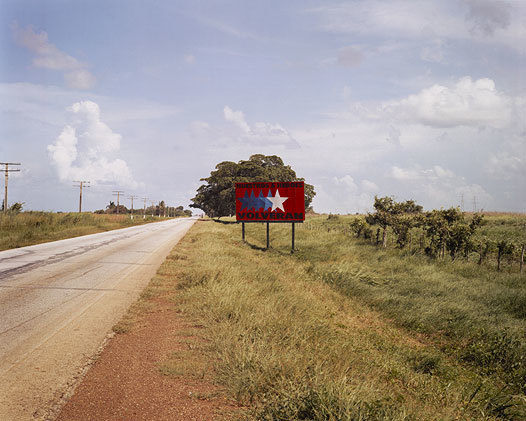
point(217, 197)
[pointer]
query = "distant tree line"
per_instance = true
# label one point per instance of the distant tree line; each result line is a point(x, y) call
point(159, 209)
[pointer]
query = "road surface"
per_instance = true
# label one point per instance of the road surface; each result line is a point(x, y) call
point(59, 301)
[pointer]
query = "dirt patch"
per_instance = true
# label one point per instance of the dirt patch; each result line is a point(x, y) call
point(127, 381)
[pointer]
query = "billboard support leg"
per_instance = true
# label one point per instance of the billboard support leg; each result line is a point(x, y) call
point(268, 235)
point(293, 229)
point(243, 231)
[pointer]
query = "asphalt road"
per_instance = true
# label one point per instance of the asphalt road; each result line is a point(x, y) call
point(58, 303)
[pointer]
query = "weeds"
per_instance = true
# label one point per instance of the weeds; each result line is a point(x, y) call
point(27, 228)
point(295, 336)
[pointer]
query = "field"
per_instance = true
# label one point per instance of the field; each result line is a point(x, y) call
point(344, 330)
point(29, 228)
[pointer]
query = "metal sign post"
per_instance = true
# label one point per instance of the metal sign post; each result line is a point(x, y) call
point(292, 249)
point(270, 202)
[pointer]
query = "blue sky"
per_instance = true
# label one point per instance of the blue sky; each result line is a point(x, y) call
point(422, 100)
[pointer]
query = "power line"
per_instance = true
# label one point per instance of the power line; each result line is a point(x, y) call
point(118, 194)
point(7, 171)
point(80, 185)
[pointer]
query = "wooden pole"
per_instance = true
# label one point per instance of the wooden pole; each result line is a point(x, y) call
point(243, 231)
point(268, 235)
point(80, 198)
point(7, 171)
point(81, 185)
point(5, 193)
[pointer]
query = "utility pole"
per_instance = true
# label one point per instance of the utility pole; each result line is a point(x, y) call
point(118, 194)
point(462, 201)
point(132, 197)
point(144, 209)
point(6, 170)
point(81, 184)
point(474, 203)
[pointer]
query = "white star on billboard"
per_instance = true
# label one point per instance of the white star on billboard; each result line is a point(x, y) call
point(277, 201)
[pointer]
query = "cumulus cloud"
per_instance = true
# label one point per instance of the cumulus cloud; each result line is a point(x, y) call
point(369, 186)
point(48, 56)
point(79, 79)
point(466, 103)
point(85, 148)
point(260, 133)
point(236, 117)
point(347, 181)
point(345, 194)
point(415, 174)
point(507, 166)
point(439, 187)
point(350, 56)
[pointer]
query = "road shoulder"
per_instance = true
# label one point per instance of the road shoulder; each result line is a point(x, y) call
point(134, 376)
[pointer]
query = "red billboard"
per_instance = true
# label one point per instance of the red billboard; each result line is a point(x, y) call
point(270, 202)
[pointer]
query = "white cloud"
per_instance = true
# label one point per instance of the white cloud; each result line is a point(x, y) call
point(500, 22)
point(344, 194)
point(507, 166)
point(260, 133)
point(199, 129)
point(403, 174)
point(394, 135)
point(439, 187)
point(346, 92)
point(346, 181)
point(79, 79)
point(48, 56)
point(369, 186)
point(466, 103)
point(236, 117)
point(84, 149)
point(416, 173)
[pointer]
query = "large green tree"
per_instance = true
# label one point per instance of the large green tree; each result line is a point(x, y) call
point(217, 197)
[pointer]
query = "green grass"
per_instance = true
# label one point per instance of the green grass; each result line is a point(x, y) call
point(343, 331)
point(28, 228)
point(502, 226)
point(472, 311)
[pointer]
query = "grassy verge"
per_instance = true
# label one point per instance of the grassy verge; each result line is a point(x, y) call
point(28, 228)
point(471, 311)
point(321, 335)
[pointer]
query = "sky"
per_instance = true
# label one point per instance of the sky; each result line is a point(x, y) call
point(422, 100)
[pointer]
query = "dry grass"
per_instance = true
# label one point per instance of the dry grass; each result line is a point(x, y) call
point(285, 341)
point(28, 228)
